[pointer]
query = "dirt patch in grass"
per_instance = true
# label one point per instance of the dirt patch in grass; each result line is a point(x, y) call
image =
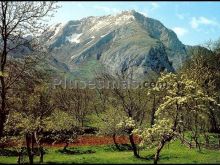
point(92, 140)
point(86, 140)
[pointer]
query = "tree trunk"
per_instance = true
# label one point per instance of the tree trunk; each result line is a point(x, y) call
point(183, 138)
point(3, 112)
point(206, 140)
point(190, 143)
point(115, 142)
point(65, 147)
point(41, 154)
point(82, 122)
point(2, 122)
point(32, 141)
point(153, 110)
point(133, 145)
point(19, 157)
point(219, 140)
point(197, 143)
point(214, 127)
point(39, 146)
point(29, 150)
point(160, 147)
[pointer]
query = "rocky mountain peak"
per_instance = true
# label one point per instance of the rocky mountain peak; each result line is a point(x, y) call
point(114, 41)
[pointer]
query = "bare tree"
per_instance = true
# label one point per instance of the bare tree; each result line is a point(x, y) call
point(17, 20)
point(75, 101)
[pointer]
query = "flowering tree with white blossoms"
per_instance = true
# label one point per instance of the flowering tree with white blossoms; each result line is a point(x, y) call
point(128, 125)
point(184, 106)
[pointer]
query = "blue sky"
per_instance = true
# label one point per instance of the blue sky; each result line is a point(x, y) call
point(194, 22)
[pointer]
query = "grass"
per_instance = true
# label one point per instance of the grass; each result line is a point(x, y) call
point(213, 138)
point(172, 153)
point(86, 70)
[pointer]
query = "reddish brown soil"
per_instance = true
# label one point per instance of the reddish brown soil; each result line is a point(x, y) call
point(95, 140)
point(89, 140)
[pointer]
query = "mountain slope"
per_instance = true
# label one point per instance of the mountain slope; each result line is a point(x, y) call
point(117, 43)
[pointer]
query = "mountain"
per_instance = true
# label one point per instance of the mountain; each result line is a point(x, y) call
point(115, 43)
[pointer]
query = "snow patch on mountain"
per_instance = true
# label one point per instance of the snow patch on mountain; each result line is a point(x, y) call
point(74, 38)
point(104, 35)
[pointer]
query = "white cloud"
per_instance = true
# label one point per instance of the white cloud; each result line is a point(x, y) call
point(196, 22)
point(144, 13)
point(107, 9)
point(154, 5)
point(180, 31)
point(180, 16)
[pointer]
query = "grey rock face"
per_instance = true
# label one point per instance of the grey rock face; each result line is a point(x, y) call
point(117, 43)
